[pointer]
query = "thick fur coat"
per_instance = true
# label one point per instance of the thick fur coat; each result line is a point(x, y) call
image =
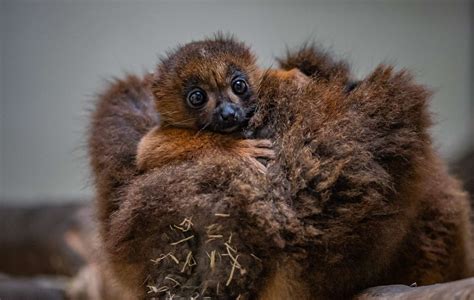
point(355, 197)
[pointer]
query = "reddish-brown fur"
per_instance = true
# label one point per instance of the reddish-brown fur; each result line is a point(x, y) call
point(161, 147)
point(355, 196)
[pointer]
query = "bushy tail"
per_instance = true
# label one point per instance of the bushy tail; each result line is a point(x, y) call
point(122, 115)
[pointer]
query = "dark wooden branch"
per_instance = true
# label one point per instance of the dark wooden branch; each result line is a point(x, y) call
point(32, 288)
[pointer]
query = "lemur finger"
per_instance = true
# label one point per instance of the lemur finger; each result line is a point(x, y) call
point(262, 153)
point(258, 165)
point(263, 143)
point(257, 143)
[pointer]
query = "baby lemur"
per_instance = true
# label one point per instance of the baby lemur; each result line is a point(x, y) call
point(208, 88)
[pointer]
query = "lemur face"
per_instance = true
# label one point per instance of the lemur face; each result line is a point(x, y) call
point(208, 85)
point(221, 99)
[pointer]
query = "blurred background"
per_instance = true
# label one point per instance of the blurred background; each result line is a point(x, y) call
point(57, 54)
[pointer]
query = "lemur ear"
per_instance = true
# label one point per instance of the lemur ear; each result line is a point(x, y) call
point(315, 62)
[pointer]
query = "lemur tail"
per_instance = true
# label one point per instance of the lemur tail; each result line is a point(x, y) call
point(122, 115)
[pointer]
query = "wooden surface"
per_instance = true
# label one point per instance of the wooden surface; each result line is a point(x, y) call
point(460, 290)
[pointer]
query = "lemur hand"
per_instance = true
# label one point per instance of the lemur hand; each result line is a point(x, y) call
point(251, 150)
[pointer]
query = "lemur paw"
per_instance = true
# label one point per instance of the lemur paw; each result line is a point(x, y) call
point(252, 150)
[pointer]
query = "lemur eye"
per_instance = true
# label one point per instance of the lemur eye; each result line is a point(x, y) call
point(197, 98)
point(239, 86)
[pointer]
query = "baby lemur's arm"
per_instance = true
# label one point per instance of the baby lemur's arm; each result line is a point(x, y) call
point(162, 146)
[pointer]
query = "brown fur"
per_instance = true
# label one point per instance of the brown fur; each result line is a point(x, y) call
point(354, 198)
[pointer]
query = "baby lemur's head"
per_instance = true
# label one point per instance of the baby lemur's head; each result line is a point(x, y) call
point(208, 84)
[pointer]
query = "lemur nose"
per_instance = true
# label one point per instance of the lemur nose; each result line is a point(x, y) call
point(228, 113)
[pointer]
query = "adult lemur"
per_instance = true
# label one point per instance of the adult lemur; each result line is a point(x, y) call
point(353, 197)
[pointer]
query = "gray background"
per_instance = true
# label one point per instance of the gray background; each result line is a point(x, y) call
point(55, 55)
